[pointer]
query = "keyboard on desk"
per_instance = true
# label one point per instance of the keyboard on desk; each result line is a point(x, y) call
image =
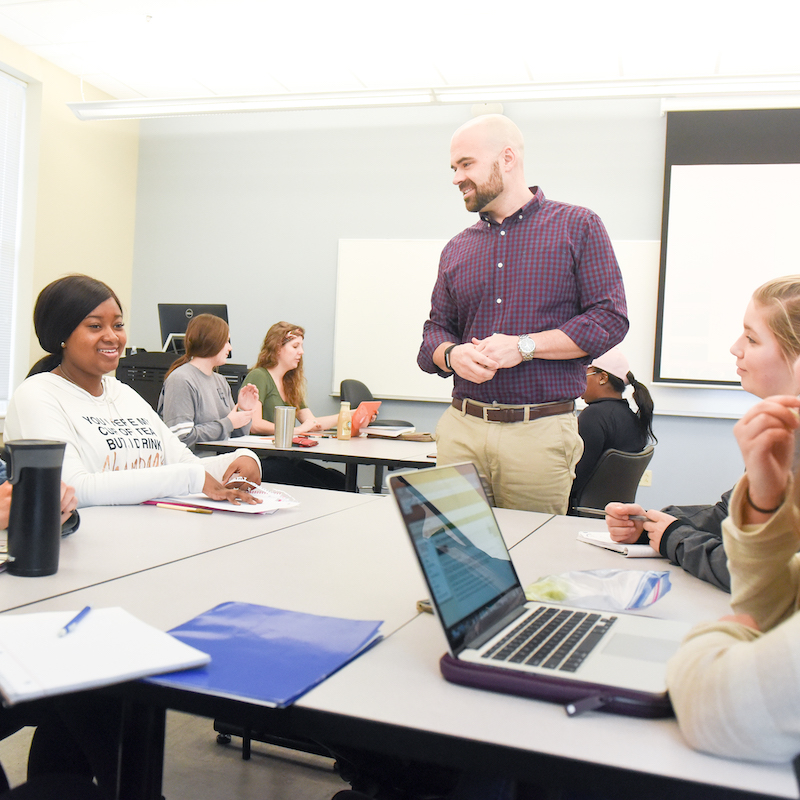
point(553, 638)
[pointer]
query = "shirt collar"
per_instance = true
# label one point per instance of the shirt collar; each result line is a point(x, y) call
point(531, 207)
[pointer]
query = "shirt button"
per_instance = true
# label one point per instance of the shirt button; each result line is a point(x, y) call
point(499, 299)
point(520, 216)
point(500, 264)
point(502, 233)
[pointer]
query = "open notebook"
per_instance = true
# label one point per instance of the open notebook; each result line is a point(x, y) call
point(108, 646)
point(271, 500)
point(499, 641)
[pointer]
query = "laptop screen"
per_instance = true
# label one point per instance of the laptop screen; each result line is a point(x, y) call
point(466, 564)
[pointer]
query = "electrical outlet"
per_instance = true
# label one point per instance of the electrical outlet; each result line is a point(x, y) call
point(647, 478)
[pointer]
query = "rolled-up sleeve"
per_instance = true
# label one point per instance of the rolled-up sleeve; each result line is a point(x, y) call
point(603, 321)
point(442, 324)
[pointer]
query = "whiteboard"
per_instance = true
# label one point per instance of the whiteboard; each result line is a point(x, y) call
point(731, 228)
point(383, 299)
point(383, 296)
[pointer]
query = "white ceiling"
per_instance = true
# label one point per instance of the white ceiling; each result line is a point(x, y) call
point(202, 48)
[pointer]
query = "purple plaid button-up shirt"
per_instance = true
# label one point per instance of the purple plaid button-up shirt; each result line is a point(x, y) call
point(548, 266)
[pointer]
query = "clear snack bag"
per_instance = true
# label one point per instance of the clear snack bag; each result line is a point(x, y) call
point(604, 589)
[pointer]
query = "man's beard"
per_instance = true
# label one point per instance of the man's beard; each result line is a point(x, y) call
point(487, 192)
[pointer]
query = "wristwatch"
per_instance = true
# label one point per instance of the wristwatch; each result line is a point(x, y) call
point(447, 364)
point(526, 347)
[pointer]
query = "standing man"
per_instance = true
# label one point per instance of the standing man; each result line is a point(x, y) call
point(524, 299)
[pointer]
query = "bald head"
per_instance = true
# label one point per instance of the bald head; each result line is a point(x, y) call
point(486, 158)
point(495, 132)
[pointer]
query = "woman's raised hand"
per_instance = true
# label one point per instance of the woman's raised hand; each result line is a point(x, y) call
point(766, 437)
point(248, 397)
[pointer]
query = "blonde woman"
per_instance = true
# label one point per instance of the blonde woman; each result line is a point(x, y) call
point(733, 683)
point(280, 380)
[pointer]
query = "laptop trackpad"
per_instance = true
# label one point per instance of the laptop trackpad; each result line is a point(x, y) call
point(643, 648)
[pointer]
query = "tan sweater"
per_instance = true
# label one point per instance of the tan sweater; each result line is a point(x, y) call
point(736, 692)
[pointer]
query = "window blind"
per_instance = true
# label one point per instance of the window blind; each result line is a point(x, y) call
point(12, 125)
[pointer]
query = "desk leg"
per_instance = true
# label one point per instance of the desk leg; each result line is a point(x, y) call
point(351, 477)
point(377, 484)
point(141, 752)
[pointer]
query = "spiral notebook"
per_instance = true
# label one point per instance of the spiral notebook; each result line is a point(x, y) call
point(603, 539)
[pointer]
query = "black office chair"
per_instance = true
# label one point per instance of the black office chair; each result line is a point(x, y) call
point(615, 479)
point(355, 392)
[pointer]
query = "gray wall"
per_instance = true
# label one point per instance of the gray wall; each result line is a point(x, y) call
point(248, 210)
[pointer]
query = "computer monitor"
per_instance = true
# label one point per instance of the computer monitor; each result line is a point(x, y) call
point(174, 317)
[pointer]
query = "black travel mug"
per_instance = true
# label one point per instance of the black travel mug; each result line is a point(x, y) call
point(34, 523)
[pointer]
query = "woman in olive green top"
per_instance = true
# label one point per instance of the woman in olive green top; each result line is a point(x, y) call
point(278, 376)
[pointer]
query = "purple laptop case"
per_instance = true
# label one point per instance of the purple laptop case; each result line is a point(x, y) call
point(556, 690)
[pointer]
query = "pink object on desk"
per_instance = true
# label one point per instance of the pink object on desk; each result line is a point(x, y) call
point(363, 415)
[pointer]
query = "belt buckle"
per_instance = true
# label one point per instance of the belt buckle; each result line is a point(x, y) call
point(485, 413)
point(503, 415)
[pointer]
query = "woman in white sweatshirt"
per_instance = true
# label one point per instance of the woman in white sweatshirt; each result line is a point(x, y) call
point(118, 449)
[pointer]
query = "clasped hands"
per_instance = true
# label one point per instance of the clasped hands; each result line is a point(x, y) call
point(478, 361)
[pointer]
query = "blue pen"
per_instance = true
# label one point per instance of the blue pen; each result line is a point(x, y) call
point(72, 624)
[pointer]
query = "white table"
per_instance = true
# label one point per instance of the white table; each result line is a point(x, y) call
point(380, 453)
point(357, 562)
point(398, 688)
point(555, 549)
point(115, 541)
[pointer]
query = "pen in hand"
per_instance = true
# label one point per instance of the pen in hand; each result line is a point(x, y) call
point(600, 514)
point(73, 623)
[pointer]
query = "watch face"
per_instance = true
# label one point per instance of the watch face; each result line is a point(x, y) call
point(526, 345)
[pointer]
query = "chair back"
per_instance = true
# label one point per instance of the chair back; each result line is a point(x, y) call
point(615, 478)
point(354, 392)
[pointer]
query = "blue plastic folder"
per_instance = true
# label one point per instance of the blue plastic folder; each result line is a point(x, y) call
point(267, 654)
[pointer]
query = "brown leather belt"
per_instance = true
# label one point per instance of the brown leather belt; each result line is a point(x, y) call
point(515, 414)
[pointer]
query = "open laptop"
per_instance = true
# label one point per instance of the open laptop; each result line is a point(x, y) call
point(497, 639)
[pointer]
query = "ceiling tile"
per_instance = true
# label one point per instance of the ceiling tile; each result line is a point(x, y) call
point(19, 33)
point(158, 84)
point(112, 86)
point(65, 56)
point(395, 75)
point(180, 47)
point(57, 21)
point(497, 71)
point(316, 78)
point(228, 84)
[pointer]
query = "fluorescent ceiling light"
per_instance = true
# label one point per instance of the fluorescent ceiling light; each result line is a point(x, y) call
point(738, 92)
point(147, 108)
point(639, 88)
point(730, 102)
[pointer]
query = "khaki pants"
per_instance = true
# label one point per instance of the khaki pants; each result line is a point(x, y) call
point(529, 465)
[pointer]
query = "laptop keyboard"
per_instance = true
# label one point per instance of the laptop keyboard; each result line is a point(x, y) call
point(553, 638)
